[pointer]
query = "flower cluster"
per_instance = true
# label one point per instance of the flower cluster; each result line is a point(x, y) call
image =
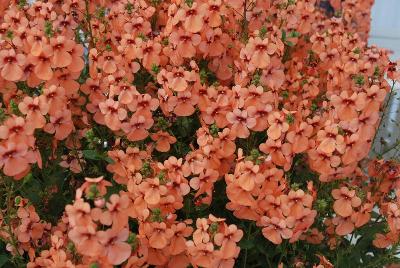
point(179, 133)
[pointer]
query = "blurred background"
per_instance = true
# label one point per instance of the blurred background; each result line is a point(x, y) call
point(385, 32)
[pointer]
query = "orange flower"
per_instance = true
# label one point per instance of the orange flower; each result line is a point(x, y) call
point(362, 216)
point(202, 254)
point(113, 114)
point(371, 99)
point(116, 249)
point(299, 137)
point(14, 158)
point(34, 109)
point(347, 106)
point(345, 201)
point(163, 141)
point(137, 128)
point(278, 125)
point(241, 122)
point(185, 43)
point(61, 48)
point(227, 241)
point(192, 17)
point(204, 183)
point(42, 63)
point(277, 150)
point(184, 103)
point(158, 233)
point(274, 229)
point(385, 240)
point(100, 183)
point(260, 112)
point(17, 130)
point(61, 124)
point(261, 50)
point(11, 65)
point(31, 227)
point(55, 97)
point(150, 54)
point(108, 62)
point(116, 212)
point(178, 79)
point(296, 200)
point(86, 240)
point(152, 190)
point(178, 241)
point(344, 225)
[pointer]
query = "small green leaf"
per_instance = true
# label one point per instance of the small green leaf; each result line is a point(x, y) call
point(3, 260)
point(92, 155)
point(246, 244)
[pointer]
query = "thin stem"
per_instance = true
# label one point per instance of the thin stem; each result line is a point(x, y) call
point(88, 21)
point(383, 116)
point(13, 240)
point(351, 238)
point(246, 250)
point(76, 154)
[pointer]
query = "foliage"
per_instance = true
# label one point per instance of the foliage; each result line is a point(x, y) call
point(199, 133)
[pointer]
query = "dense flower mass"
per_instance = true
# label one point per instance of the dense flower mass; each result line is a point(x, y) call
point(196, 133)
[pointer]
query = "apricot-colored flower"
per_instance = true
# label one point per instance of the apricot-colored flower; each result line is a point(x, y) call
point(185, 103)
point(31, 227)
point(137, 128)
point(16, 130)
point(35, 109)
point(347, 106)
point(345, 201)
point(275, 229)
point(150, 54)
point(11, 65)
point(61, 124)
point(14, 158)
point(73, 162)
point(86, 240)
point(113, 114)
point(261, 50)
point(116, 249)
point(55, 97)
point(278, 125)
point(228, 240)
point(178, 241)
point(158, 233)
point(108, 62)
point(163, 141)
point(61, 48)
point(186, 43)
point(241, 122)
point(152, 190)
point(371, 99)
point(299, 137)
point(192, 17)
point(100, 183)
point(344, 225)
point(42, 63)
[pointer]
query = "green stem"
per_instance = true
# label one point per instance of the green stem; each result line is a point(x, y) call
point(13, 240)
point(88, 20)
point(246, 250)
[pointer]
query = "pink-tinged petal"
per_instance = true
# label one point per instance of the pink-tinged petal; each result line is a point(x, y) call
point(118, 253)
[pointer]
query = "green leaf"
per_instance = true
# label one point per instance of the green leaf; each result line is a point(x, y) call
point(92, 155)
point(289, 43)
point(283, 35)
point(109, 160)
point(246, 244)
point(3, 260)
